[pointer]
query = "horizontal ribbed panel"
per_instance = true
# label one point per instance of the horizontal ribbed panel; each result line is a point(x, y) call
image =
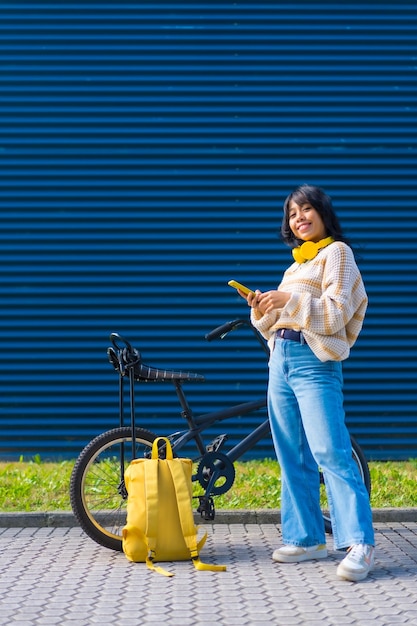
point(145, 153)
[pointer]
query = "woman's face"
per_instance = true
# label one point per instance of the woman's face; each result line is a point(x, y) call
point(305, 222)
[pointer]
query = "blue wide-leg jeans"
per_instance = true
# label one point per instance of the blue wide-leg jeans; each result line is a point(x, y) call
point(305, 404)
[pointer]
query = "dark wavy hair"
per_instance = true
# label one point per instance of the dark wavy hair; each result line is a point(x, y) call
point(320, 201)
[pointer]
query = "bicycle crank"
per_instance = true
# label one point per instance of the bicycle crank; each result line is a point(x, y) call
point(216, 473)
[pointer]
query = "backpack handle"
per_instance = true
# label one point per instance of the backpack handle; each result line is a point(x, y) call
point(168, 449)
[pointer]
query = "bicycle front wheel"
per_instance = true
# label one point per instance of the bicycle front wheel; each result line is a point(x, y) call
point(362, 464)
point(97, 490)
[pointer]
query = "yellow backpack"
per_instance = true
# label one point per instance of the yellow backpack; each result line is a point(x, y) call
point(160, 522)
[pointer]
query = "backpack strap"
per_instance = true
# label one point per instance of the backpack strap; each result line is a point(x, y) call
point(189, 530)
point(150, 468)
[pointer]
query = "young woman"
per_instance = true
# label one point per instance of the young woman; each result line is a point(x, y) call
point(311, 321)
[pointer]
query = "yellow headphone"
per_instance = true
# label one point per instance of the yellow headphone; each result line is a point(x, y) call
point(309, 249)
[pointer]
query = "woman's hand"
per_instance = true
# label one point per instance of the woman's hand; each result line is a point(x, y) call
point(253, 299)
point(271, 300)
point(266, 302)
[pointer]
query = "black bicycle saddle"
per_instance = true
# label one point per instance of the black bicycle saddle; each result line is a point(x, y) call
point(124, 357)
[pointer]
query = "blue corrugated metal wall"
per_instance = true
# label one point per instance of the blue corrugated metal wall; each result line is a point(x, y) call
point(145, 152)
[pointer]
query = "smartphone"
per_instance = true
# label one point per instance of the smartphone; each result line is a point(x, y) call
point(242, 288)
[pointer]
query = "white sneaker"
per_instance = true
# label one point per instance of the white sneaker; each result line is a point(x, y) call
point(358, 563)
point(296, 554)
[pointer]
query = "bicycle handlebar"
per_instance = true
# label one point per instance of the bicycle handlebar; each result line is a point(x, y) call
point(221, 331)
point(224, 329)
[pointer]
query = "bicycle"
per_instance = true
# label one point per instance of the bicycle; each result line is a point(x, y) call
point(97, 490)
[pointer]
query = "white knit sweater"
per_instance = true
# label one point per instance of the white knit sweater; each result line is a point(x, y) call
point(328, 303)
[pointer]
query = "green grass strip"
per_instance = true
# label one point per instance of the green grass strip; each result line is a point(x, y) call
point(40, 486)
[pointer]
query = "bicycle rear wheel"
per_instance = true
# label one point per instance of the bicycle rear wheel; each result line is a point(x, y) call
point(360, 460)
point(97, 490)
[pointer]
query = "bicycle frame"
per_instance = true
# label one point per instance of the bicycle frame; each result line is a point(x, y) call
point(221, 464)
point(197, 425)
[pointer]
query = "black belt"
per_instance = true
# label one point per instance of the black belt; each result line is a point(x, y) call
point(288, 333)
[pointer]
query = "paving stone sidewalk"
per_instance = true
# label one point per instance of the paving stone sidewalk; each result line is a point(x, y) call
point(58, 576)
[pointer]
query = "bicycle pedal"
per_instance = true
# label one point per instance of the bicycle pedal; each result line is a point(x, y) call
point(217, 443)
point(206, 507)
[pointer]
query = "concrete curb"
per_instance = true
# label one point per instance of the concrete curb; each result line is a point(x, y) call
point(66, 519)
